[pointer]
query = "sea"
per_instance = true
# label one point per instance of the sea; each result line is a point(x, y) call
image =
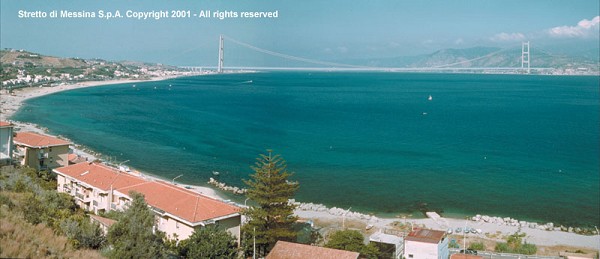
point(391, 144)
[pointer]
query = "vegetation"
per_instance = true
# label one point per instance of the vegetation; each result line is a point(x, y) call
point(133, 235)
point(270, 189)
point(515, 244)
point(32, 215)
point(352, 240)
point(209, 242)
point(479, 246)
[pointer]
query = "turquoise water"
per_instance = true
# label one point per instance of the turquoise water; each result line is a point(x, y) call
point(507, 145)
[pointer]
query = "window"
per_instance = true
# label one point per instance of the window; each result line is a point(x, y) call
point(410, 256)
point(177, 224)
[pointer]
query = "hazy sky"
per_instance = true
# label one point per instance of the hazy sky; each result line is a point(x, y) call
point(317, 29)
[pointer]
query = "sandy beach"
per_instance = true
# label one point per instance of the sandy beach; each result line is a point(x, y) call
point(10, 103)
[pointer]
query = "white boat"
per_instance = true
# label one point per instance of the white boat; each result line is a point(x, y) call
point(430, 98)
point(215, 173)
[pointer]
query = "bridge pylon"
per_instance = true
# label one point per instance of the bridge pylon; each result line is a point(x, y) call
point(525, 58)
point(221, 47)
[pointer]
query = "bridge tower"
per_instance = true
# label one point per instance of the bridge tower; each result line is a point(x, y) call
point(220, 65)
point(525, 58)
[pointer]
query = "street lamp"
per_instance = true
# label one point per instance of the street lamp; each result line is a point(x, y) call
point(246, 200)
point(344, 218)
point(173, 181)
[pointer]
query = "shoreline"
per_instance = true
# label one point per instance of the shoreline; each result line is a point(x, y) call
point(11, 104)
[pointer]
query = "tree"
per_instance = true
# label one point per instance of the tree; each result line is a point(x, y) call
point(209, 242)
point(270, 189)
point(82, 233)
point(132, 236)
point(352, 240)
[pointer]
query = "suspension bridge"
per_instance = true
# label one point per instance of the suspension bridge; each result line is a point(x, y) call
point(525, 67)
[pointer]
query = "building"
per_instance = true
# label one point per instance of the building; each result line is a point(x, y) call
point(103, 222)
point(97, 187)
point(287, 250)
point(426, 244)
point(6, 142)
point(41, 152)
point(465, 256)
point(391, 246)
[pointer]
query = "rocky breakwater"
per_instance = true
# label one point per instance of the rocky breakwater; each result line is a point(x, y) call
point(507, 221)
point(225, 187)
point(334, 211)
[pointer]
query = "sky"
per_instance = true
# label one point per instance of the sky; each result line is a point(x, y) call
point(316, 29)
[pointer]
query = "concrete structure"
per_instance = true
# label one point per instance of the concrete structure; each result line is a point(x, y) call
point(390, 245)
point(287, 250)
point(97, 187)
point(6, 142)
point(41, 152)
point(426, 244)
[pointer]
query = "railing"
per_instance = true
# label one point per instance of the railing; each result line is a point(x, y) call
point(95, 203)
point(79, 195)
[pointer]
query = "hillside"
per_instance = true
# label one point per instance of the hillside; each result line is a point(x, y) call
point(25, 58)
point(485, 57)
point(23, 68)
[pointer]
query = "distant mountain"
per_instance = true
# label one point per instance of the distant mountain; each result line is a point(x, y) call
point(484, 57)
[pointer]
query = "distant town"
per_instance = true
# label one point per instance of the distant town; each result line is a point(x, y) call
point(22, 68)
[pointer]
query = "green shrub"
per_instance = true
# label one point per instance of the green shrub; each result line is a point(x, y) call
point(479, 246)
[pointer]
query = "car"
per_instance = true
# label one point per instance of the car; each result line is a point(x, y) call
point(474, 231)
point(449, 231)
point(458, 230)
point(468, 251)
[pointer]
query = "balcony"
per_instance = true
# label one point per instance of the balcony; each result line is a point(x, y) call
point(42, 155)
point(83, 197)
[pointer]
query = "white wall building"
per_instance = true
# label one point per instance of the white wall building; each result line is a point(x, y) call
point(426, 244)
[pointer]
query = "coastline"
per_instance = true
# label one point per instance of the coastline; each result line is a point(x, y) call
point(11, 103)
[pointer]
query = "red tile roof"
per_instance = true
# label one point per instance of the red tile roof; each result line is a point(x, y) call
point(75, 159)
point(185, 204)
point(102, 220)
point(180, 202)
point(426, 236)
point(5, 124)
point(35, 140)
point(287, 250)
point(99, 176)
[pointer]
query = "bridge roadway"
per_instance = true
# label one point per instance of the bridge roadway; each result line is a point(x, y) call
point(384, 69)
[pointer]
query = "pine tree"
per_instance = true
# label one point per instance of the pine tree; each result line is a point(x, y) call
point(272, 218)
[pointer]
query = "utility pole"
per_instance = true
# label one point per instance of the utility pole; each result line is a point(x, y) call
point(254, 246)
